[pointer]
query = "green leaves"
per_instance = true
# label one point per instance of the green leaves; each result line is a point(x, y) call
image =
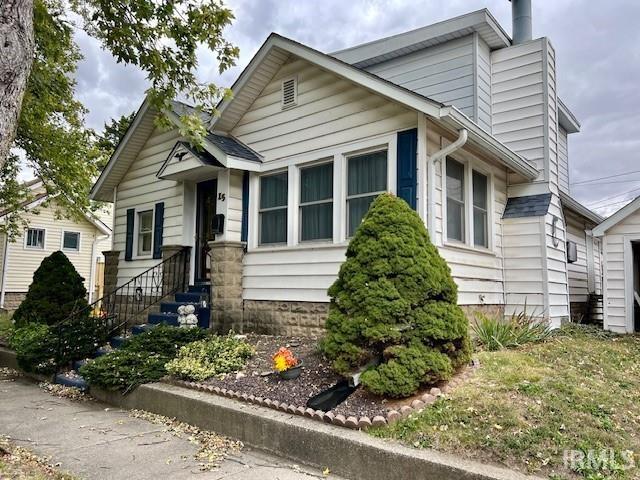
point(162, 37)
point(395, 300)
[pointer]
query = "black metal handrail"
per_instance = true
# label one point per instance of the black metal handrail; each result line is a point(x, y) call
point(118, 309)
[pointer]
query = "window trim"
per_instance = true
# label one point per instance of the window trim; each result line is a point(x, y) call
point(271, 209)
point(470, 165)
point(72, 250)
point(44, 238)
point(300, 203)
point(347, 197)
point(136, 223)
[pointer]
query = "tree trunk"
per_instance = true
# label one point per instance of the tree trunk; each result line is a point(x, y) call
point(16, 57)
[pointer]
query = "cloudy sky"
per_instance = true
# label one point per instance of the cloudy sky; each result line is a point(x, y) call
point(598, 55)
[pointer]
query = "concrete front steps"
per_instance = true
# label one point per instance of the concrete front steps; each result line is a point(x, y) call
point(196, 295)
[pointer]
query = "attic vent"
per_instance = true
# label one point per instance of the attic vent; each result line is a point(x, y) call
point(289, 92)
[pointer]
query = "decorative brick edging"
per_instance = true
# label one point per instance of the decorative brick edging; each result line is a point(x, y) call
point(340, 420)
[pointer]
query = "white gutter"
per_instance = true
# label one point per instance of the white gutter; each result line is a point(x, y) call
point(463, 135)
point(5, 262)
point(92, 272)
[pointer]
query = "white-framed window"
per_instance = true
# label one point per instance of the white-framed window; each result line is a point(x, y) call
point(34, 238)
point(480, 187)
point(316, 202)
point(468, 200)
point(455, 200)
point(366, 179)
point(71, 241)
point(274, 193)
point(145, 232)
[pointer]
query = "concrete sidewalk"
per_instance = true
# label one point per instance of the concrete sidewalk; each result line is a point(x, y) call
point(95, 441)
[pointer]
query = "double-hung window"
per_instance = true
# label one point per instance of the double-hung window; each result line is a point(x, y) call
point(316, 202)
point(273, 208)
point(467, 204)
point(145, 232)
point(71, 241)
point(455, 201)
point(480, 210)
point(366, 179)
point(35, 238)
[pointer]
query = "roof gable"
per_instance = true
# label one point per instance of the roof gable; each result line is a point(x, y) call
point(617, 217)
point(480, 22)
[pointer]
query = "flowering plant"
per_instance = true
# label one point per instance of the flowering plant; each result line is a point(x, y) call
point(284, 360)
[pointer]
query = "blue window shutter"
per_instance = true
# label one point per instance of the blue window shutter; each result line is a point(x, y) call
point(407, 166)
point(244, 232)
point(158, 225)
point(128, 249)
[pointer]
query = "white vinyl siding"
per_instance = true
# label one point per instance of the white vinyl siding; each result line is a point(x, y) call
point(518, 100)
point(483, 84)
point(578, 270)
point(563, 161)
point(443, 72)
point(556, 258)
point(333, 118)
point(24, 262)
point(617, 254)
point(141, 189)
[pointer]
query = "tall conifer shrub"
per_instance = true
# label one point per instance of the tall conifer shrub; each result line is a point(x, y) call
point(394, 300)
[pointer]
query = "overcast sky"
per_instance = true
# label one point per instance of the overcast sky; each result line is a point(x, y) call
point(598, 62)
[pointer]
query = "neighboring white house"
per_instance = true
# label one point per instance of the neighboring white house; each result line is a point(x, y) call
point(455, 118)
point(82, 241)
point(620, 234)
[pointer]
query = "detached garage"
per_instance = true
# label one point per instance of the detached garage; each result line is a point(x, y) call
point(620, 234)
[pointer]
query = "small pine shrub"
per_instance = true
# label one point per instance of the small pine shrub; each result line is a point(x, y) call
point(140, 360)
point(56, 291)
point(496, 332)
point(215, 355)
point(35, 348)
point(395, 302)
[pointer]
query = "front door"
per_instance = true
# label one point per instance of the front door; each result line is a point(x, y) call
point(205, 211)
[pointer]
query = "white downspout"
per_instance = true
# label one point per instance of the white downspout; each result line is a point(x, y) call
point(92, 271)
point(5, 262)
point(463, 135)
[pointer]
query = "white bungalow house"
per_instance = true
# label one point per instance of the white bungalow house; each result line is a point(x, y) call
point(47, 230)
point(456, 118)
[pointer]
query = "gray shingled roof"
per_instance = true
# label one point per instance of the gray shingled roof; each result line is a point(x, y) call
point(203, 155)
point(529, 206)
point(231, 146)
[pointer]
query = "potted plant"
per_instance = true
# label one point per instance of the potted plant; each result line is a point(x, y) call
point(286, 364)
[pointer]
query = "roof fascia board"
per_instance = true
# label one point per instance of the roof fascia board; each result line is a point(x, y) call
point(567, 119)
point(385, 46)
point(121, 146)
point(572, 204)
point(617, 217)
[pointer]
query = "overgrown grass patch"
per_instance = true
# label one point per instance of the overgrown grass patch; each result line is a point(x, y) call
point(579, 390)
point(6, 324)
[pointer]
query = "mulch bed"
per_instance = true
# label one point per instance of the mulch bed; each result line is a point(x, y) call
point(258, 379)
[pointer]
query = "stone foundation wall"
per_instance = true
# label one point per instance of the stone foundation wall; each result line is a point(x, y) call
point(226, 286)
point(12, 300)
point(488, 310)
point(285, 318)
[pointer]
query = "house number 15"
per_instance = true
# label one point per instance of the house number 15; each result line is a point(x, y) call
point(222, 197)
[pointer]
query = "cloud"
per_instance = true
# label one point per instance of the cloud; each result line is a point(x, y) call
point(598, 62)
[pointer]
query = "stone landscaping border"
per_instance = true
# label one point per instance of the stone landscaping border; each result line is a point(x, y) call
point(348, 421)
point(304, 441)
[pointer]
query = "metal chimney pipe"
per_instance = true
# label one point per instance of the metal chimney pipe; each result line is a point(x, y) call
point(521, 15)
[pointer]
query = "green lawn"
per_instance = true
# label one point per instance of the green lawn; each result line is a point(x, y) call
point(528, 408)
point(5, 326)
